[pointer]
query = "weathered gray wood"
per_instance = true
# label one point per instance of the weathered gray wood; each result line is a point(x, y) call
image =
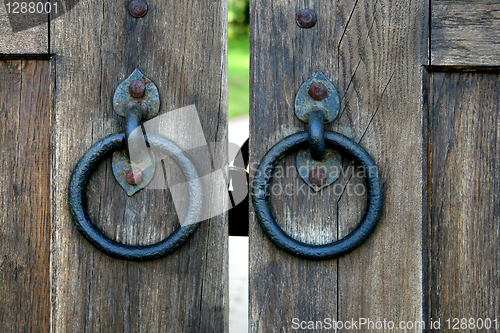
point(282, 57)
point(34, 40)
point(463, 220)
point(25, 204)
point(381, 54)
point(465, 32)
point(181, 47)
point(373, 51)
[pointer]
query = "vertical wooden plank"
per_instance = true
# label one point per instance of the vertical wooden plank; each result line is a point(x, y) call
point(463, 221)
point(374, 52)
point(282, 57)
point(381, 56)
point(25, 204)
point(181, 47)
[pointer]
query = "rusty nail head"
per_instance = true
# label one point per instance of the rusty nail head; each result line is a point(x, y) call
point(306, 18)
point(136, 88)
point(138, 8)
point(317, 176)
point(318, 91)
point(134, 176)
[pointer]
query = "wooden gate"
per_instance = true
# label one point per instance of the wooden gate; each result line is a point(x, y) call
point(54, 110)
point(419, 91)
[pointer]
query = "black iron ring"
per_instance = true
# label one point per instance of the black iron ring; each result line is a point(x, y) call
point(78, 183)
point(335, 249)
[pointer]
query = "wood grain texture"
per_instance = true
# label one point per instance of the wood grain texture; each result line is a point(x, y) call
point(283, 287)
point(380, 58)
point(373, 51)
point(463, 218)
point(465, 32)
point(181, 47)
point(25, 204)
point(16, 40)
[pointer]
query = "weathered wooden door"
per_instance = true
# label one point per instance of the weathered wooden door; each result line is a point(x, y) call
point(419, 91)
point(56, 97)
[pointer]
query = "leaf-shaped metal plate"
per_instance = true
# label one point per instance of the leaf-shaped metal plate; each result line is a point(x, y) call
point(305, 104)
point(151, 96)
point(332, 165)
point(121, 165)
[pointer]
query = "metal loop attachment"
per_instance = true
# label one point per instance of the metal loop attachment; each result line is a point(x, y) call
point(317, 103)
point(78, 184)
point(335, 249)
point(317, 135)
point(137, 99)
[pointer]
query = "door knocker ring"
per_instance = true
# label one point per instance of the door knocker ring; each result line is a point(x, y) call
point(135, 114)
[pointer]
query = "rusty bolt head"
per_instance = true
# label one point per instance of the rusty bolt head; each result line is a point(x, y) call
point(318, 91)
point(136, 88)
point(134, 176)
point(137, 8)
point(306, 18)
point(317, 176)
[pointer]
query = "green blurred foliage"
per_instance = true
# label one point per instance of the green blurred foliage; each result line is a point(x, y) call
point(238, 76)
point(238, 57)
point(238, 17)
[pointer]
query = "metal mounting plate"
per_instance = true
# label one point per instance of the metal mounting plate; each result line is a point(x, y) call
point(332, 165)
point(151, 96)
point(305, 104)
point(121, 165)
